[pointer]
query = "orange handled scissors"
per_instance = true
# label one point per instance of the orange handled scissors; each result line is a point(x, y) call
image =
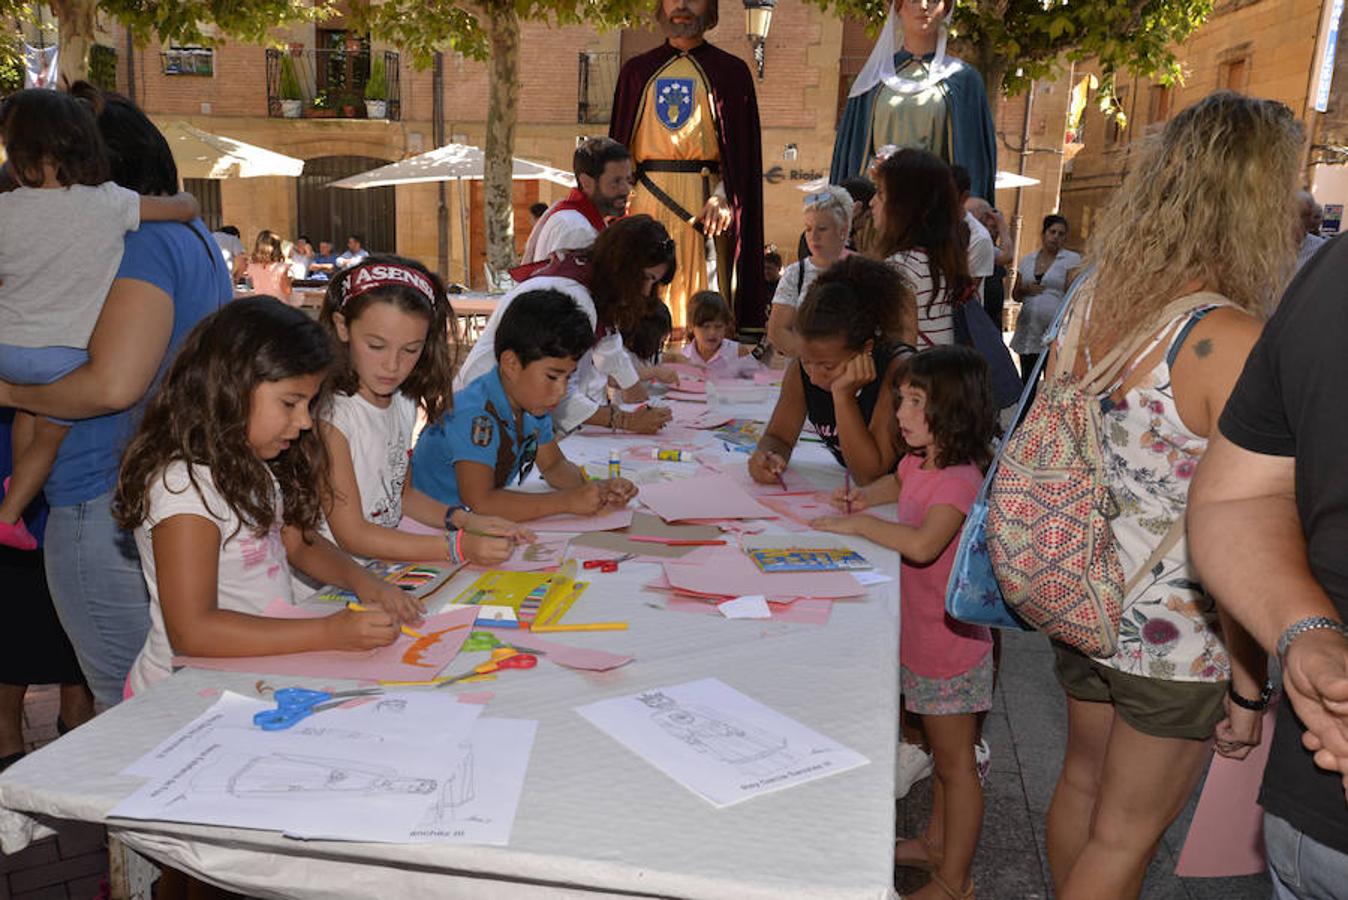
point(501, 658)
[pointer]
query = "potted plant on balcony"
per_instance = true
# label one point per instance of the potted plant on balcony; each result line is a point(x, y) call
point(349, 104)
point(321, 107)
point(292, 101)
point(376, 90)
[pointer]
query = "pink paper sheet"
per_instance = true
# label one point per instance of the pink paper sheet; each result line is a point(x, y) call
point(400, 661)
point(566, 655)
point(711, 497)
point(806, 611)
point(769, 376)
point(1226, 836)
point(796, 483)
point(694, 384)
point(733, 574)
point(801, 508)
point(688, 396)
point(605, 521)
point(545, 553)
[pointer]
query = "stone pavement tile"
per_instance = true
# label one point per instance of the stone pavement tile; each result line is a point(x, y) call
point(57, 873)
point(1006, 816)
point(35, 854)
point(51, 892)
point(1248, 887)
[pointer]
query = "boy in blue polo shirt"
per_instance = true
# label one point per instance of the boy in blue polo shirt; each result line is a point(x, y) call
point(501, 425)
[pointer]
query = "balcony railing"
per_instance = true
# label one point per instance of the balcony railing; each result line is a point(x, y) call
point(331, 84)
point(598, 77)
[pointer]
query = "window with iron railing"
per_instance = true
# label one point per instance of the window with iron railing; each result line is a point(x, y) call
point(598, 78)
point(347, 81)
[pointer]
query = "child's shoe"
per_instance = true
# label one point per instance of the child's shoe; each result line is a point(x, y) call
point(983, 759)
point(914, 764)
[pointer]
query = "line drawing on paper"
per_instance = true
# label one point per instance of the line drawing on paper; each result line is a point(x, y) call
point(457, 791)
point(750, 749)
point(292, 774)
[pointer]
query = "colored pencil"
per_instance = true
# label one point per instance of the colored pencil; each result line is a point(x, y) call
point(410, 632)
point(580, 626)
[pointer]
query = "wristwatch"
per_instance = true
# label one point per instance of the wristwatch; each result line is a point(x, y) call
point(449, 515)
point(1301, 626)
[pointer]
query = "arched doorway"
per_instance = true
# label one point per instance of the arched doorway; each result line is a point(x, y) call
point(332, 213)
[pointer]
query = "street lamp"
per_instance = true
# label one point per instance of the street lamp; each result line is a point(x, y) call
point(757, 21)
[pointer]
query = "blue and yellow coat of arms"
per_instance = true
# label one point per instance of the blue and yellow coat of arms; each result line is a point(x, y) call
point(673, 101)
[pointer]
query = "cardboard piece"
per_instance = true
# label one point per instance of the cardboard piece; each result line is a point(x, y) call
point(406, 659)
point(647, 537)
point(732, 574)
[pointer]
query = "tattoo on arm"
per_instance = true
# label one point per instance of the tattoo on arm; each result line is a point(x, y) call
point(1203, 348)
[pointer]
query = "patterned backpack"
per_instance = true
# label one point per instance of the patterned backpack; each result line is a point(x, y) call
point(1049, 505)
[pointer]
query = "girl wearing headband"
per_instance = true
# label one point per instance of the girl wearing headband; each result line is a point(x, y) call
point(392, 325)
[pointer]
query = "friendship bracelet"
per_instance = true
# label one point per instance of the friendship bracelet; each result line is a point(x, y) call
point(458, 546)
point(454, 545)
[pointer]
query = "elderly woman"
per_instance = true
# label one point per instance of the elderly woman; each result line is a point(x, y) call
point(1041, 284)
point(1187, 255)
point(828, 223)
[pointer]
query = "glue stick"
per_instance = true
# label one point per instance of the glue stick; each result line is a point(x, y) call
point(615, 466)
point(672, 456)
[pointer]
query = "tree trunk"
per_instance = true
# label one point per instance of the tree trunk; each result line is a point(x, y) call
point(75, 35)
point(502, 111)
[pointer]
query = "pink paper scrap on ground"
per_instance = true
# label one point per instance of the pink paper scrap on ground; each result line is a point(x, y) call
point(1226, 836)
point(568, 656)
point(711, 497)
point(733, 574)
point(605, 521)
point(406, 659)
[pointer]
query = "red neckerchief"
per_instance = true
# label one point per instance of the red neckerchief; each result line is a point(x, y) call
point(582, 204)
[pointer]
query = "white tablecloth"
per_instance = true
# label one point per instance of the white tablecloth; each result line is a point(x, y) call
point(594, 819)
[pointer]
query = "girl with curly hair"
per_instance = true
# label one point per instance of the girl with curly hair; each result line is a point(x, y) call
point(947, 420)
point(222, 484)
point(391, 323)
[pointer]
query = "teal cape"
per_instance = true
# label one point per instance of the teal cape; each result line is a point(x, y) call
point(974, 137)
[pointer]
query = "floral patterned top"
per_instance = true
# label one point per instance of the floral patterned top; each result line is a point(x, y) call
point(1169, 629)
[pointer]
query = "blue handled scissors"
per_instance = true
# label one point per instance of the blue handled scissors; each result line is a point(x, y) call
point(295, 703)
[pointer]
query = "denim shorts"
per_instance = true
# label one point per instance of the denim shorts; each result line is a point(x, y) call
point(39, 365)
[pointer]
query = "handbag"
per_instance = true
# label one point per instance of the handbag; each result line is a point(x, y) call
point(973, 594)
point(975, 328)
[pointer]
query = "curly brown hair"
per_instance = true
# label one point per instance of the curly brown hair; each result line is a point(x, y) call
point(960, 410)
point(856, 299)
point(618, 259)
point(430, 383)
point(200, 413)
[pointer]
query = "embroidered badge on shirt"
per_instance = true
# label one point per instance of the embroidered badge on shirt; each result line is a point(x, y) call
point(483, 431)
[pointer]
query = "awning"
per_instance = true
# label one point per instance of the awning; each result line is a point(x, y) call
point(200, 154)
point(448, 163)
point(1004, 180)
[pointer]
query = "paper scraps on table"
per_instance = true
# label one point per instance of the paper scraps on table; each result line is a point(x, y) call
point(690, 385)
point(406, 659)
point(650, 537)
point(799, 508)
point(712, 497)
point(805, 611)
point(720, 744)
point(769, 376)
point(687, 396)
point(870, 579)
point(732, 574)
point(753, 606)
point(604, 521)
point(586, 658)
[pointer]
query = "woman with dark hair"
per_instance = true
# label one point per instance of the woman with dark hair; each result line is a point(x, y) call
point(1042, 279)
point(918, 223)
point(171, 276)
point(614, 282)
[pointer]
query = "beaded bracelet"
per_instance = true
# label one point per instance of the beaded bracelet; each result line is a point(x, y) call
point(454, 545)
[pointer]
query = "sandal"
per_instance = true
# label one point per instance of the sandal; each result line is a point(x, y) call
point(966, 894)
point(926, 863)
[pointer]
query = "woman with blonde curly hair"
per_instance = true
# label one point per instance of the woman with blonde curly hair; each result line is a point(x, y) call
point(1208, 210)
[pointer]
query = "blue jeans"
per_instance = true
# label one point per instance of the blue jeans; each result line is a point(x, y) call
point(1301, 867)
point(93, 571)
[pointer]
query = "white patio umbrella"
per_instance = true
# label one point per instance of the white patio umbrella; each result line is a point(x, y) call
point(449, 163)
point(200, 154)
point(452, 162)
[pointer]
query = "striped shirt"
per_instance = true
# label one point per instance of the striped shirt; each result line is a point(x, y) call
point(935, 325)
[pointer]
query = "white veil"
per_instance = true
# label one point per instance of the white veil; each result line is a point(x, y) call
point(880, 66)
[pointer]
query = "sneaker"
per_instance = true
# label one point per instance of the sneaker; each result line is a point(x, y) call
point(914, 764)
point(17, 536)
point(983, 759)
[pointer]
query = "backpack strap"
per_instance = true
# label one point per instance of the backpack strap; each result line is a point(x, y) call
point(1167, 544)
point(1119, 363)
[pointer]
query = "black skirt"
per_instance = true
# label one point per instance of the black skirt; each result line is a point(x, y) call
point(34, 648)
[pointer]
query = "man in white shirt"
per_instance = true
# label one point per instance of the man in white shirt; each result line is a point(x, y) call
point(232, 249)
point(982, 251)
point(301, 254)
point(603, 169)
point(355, 252)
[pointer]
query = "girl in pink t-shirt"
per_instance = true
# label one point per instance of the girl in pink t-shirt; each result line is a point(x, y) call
point(947, 420)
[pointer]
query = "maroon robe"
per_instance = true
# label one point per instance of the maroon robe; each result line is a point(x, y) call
point(731, 91)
